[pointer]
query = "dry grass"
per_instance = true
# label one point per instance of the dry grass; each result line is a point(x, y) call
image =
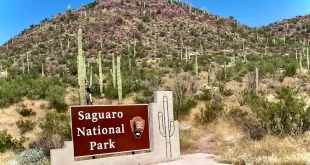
point(232, 146)
point(4, 157)
point(189, 139)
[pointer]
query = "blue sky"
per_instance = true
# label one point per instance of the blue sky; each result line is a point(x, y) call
point(16, 15)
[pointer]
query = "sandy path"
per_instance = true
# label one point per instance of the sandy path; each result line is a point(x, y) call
point(193, 159)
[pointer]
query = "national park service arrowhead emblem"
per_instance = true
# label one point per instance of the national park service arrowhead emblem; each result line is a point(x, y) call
point(137, 126)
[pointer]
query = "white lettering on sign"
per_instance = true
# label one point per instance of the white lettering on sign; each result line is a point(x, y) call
point(100, 131)
point(101, 146)
point(95, 116)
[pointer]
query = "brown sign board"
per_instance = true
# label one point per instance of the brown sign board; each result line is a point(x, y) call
point(106, 129)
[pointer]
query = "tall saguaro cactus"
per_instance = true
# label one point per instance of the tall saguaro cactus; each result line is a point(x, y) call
point(113, 71)
point(196, 66)
point(225, 71)
point(308, 62)
point(166, 126)
point(81, 70)
point(42, 70)
point(100, 74)
point(28, 63)
point(256, 79)
point(119, 81)
point(300, 62)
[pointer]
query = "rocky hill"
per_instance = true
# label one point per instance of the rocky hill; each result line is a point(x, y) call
point(140, 29)
point(297, 29)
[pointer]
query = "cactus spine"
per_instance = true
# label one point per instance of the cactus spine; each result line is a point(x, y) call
point(81, 70)
point(119, 81)
point(100, 74)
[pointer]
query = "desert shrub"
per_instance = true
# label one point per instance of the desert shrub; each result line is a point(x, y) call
point(111, 92)
point(288, 116)
point(185, 107)
point(8, 143)
point(12, 91)
point(290, 70)
point(56, 97)
point(211, 111)
point(206, 95)
point(139, 100)
point(55, 130)
point(27, 112)
point(225, 92)
point(25, 125)
point(29, 157)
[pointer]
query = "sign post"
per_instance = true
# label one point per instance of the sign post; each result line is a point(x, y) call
point(105, 129)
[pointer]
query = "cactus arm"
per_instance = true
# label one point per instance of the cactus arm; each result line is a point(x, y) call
point(171, 128)
point(162, 130)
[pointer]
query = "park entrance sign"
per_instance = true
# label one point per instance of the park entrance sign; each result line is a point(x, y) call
point(106, 129)
point(110, 129)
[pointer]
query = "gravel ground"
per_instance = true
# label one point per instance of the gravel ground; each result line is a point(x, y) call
point(193, 159)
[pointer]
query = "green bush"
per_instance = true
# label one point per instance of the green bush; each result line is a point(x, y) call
point(211, 111)
point(111, 92)
point(139, 100)
point(288, 116)
point(8, 143)
point(290, 70)
point(12, 91)
point(27, 112)
point(25, 125)
point(55, 130)
point(205, 95)
point(184, 108)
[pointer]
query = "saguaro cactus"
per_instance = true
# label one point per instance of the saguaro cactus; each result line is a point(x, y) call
point(209, 75)
point(166, 126)
point(119, 81)
point(113, 71)
point(42, 70)
point(300, 62)
point(196, 66)
point(81, 70)
point(308, 58)
point(28, 63)
point(225, 71)
point(256, 79)
point(100, 74)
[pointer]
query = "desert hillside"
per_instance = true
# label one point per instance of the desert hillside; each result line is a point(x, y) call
point(240, 93)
